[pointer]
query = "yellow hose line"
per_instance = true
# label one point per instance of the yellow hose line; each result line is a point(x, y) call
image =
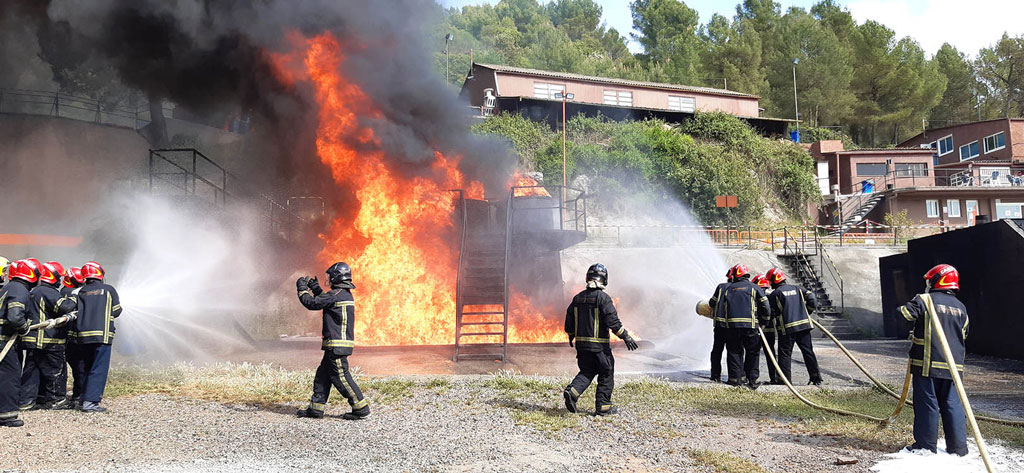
point(60, 320)
point(890, 392)
point(958, 382)
point(771, 357)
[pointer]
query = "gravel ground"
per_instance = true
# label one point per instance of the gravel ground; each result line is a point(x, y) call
point(464, 427)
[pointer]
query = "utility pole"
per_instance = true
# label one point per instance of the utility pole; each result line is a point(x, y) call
point(796, 104)
point(447, 38)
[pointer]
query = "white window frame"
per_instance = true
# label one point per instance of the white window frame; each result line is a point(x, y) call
point(551, 88)
point(619, 97)
point(968, 146)
point(681, 101)
point(953, 208)
point(929, 205)
point(938, 145)
point(985, 141)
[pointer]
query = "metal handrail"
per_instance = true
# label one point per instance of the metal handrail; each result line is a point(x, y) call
point(508, 256)
point(459, 274)
point(837, 277)
point(54, 102)
point(578, 209)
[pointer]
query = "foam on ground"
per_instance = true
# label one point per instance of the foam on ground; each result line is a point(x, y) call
point(1004, 459)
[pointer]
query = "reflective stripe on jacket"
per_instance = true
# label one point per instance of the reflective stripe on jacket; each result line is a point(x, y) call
point(339, 318)
point(590, 318)
point(745, 305)
point(926, 357)
point(98, 306)
point(791, 307)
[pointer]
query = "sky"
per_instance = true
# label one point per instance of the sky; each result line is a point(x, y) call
point(930, 22)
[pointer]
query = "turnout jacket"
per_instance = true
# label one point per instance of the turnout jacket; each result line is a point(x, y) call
point(589, 319)
point(339, 317)
point(98, 306)
point(47, 303)
point(926, 357)
point(15, 300)
point(791, 307)
point(716, 301)
point(745, 305)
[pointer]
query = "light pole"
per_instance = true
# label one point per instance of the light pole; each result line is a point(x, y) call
point(447, 38)
point(796, 105)
point(565, 97)
point(979, 106)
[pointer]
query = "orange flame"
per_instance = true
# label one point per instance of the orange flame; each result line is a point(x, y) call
point(524, 182)
point(404, 265)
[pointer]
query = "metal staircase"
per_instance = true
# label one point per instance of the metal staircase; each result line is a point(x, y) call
point(481, 305)
point(863, 205)
point(808, 264)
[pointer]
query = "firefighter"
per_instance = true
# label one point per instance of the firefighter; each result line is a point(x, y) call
point(72, 280)
point(935, 396)
point(769, 331)
point(339, 318)
point(91, 335)
point(589, 319)
point(14, 302)
point(791, 313)
point(44, 347)
point(745, 306)
point(718, 345)
point(4, 265)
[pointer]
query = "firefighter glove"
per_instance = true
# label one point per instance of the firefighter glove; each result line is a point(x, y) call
point(302, 283)
point(314, 285)
point(630, 343)
point(571, 337)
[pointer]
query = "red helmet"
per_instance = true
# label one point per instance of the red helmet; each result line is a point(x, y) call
point(57, 268)
point(50, 274)
point(73, 278)
point(92, 270)
point(775, 276)
point(24, 270)
point(739, 271)
point(761, 281)
point(943, 277)
point(34, 263)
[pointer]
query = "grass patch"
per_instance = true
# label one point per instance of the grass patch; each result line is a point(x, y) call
point(512, 381)
point(231, 383)
point(547, 420)
point(388, 390)
point(439, 385)
point(723, 462)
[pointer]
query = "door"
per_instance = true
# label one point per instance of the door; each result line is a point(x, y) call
point(972, 212)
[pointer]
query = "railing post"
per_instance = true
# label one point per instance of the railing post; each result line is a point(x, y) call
point(56, 104)
point(773, 240)
point(194, 171)
point(150, 171)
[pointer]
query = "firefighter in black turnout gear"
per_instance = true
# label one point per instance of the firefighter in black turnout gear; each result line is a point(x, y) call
point(44, 347)
point(769, 330)
point(589, 320)
point(718, 345)
point(791, 313)
point(745, 306)
point(91, 337)
point(15, 300)
point(339, 319)
point(935, 395)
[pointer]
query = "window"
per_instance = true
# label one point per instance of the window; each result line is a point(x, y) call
point(968, 151)
point(953, 208)
point(871, 169)
point(618, 97)
point(994, 142)
point(682, 104)
point(543, 90)
point(911, 169)
point(932, 207)
point(945, 145)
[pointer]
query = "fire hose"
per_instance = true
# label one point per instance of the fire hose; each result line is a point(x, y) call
point(48, 324)
point(704, 309)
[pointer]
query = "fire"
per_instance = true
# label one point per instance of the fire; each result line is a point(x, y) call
point(522, 180)
point(527, 324)
point(398, 243)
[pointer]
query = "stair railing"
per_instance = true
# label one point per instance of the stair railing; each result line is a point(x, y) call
point(829, 267)
point(459, 275)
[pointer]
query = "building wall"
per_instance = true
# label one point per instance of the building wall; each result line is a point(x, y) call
point(970, 132)
point(916, 206)
point(511, 85)
point(850, 179)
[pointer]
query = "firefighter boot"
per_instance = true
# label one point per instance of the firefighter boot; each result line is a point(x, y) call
point(310, 413)
point(610, 411)
point(357, 414)
point(12, 423)
point(63, 404)
point(92, 407)
point(570, 400)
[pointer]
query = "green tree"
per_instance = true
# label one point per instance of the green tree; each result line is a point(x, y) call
point(1001, 69)
point(579, 19)
point(668, 34)
point(728, 54)
point(959, 98)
